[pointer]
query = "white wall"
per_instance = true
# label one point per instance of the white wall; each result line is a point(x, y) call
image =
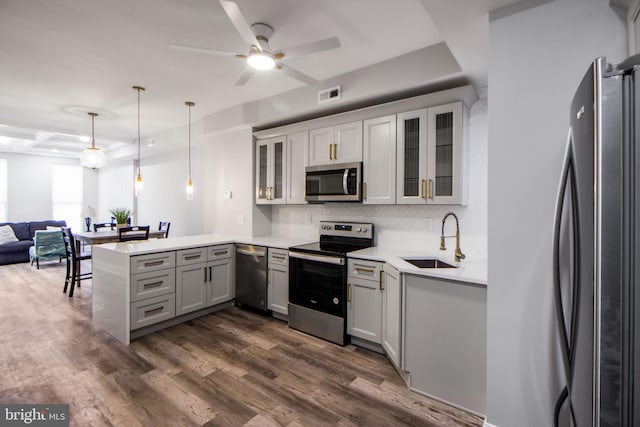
point(409, 226)
point(537, 59)
point(29, 185)
point(229, 167)
point(115, 189)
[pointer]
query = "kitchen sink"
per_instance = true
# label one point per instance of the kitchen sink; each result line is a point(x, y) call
point(428, 263)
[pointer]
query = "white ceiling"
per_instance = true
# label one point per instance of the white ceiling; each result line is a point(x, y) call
point(61, 59)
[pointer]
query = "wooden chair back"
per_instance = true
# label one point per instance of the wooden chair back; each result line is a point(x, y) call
point(140, 232)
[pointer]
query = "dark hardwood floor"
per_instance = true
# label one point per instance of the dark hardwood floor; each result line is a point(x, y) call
point(231, 368)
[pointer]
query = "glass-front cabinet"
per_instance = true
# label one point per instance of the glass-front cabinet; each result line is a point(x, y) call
point(411, 177)
point(444, 153)
point(430, 155)
point(271, 170)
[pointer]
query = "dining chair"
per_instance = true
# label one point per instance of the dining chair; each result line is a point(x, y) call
point(164, 226)
point(73, 259)
point(100, 225)
point(140, 232)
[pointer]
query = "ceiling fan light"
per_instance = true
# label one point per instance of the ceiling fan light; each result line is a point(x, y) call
point(261, 61)
point(92, 158)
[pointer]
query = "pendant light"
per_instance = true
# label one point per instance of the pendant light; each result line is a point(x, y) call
point(138, 184)
point(92, 157)
point(189, 182)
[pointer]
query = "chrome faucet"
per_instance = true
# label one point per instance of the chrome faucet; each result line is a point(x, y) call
point(458, 255)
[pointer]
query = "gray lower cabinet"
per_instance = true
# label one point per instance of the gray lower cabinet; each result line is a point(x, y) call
point(152, 289)
point(204, 277)
point(364, 300)
point(445, 340)
point(278, 281)
point(391, 314)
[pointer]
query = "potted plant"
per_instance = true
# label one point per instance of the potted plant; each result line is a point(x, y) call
point(121, 215)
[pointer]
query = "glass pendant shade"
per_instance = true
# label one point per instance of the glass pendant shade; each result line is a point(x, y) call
point(189, 189)
point(93, 157)
point(139, 186)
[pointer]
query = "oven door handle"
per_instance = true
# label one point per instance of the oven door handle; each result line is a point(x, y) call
point(345, 179)
point(318, 258)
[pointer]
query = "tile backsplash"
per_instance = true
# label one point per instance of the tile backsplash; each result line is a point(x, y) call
point(407, 226)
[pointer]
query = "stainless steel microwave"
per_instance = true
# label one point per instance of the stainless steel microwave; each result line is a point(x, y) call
point(334, 183)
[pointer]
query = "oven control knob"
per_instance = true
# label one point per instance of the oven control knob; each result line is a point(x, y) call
point(364, 229)
point(336, 300)
point(359, 229)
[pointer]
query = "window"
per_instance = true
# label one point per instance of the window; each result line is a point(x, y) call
point(4, 189)
point(66, 194)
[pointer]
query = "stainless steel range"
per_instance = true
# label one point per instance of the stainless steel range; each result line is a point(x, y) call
point(318, 279)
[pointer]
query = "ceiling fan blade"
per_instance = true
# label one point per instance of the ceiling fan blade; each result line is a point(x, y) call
point(292, 72)
point(200, 50)
point(313, 47)
point(246, 75)
point(238, 21)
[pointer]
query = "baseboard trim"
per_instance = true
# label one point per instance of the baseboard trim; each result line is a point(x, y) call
point(486, 424)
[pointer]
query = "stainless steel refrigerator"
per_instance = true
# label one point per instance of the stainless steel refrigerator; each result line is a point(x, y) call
point(596, 234)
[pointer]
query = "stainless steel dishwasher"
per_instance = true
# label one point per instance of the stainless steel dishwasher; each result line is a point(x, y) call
point(251, 276)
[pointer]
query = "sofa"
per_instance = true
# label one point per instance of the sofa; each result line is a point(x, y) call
point(14, 252)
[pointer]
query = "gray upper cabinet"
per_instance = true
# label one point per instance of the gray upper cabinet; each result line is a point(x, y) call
point(444, 153)
point(297, 145)
point(411, 180)
point(271, 173)
point(379, 161)
point(335, 144)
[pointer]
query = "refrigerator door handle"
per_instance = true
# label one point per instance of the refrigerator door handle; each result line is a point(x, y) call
point(567, 338)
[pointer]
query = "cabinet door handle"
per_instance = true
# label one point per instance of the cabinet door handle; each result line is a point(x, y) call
point(330, 151)
point(221, 252)
point(429, 195)
point(152, 284)
point(210, 275)
point(381, 286)
point(152, 263)
point(364, 191)
point(190, 257)
point(422, 193)
point(153, 311)
point(205, 273)
point(348, 292)
point(335, 151)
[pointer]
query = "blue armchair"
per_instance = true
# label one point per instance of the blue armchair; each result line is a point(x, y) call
point(48, 245)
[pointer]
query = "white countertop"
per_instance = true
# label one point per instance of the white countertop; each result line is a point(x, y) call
point(469, 270)
point(183, 242)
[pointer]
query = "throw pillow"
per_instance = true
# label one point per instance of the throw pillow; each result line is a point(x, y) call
point(7, 235)
point(53, 228)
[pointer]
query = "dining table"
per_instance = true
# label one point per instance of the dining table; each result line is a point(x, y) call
point(104, 236)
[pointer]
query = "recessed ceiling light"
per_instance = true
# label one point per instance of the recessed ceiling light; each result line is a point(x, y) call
point(84, 138)
point(4, 140)
point(54, 150)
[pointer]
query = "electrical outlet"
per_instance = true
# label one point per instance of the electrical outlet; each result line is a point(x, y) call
point(240, 219)
point(227, 194)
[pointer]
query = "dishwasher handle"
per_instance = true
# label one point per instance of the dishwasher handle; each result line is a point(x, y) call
point(251, 253)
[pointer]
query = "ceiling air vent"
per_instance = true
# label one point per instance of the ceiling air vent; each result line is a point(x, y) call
point(328, 95)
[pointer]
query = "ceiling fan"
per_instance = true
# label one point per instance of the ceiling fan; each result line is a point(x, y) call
point(260, 56)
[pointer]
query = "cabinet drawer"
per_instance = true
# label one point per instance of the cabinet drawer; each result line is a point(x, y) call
point(191, 256)
point(153, 284)
point(151, 262)
point(278, 256)
point(369, 270)
point(152, 310)
point(219, 252)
